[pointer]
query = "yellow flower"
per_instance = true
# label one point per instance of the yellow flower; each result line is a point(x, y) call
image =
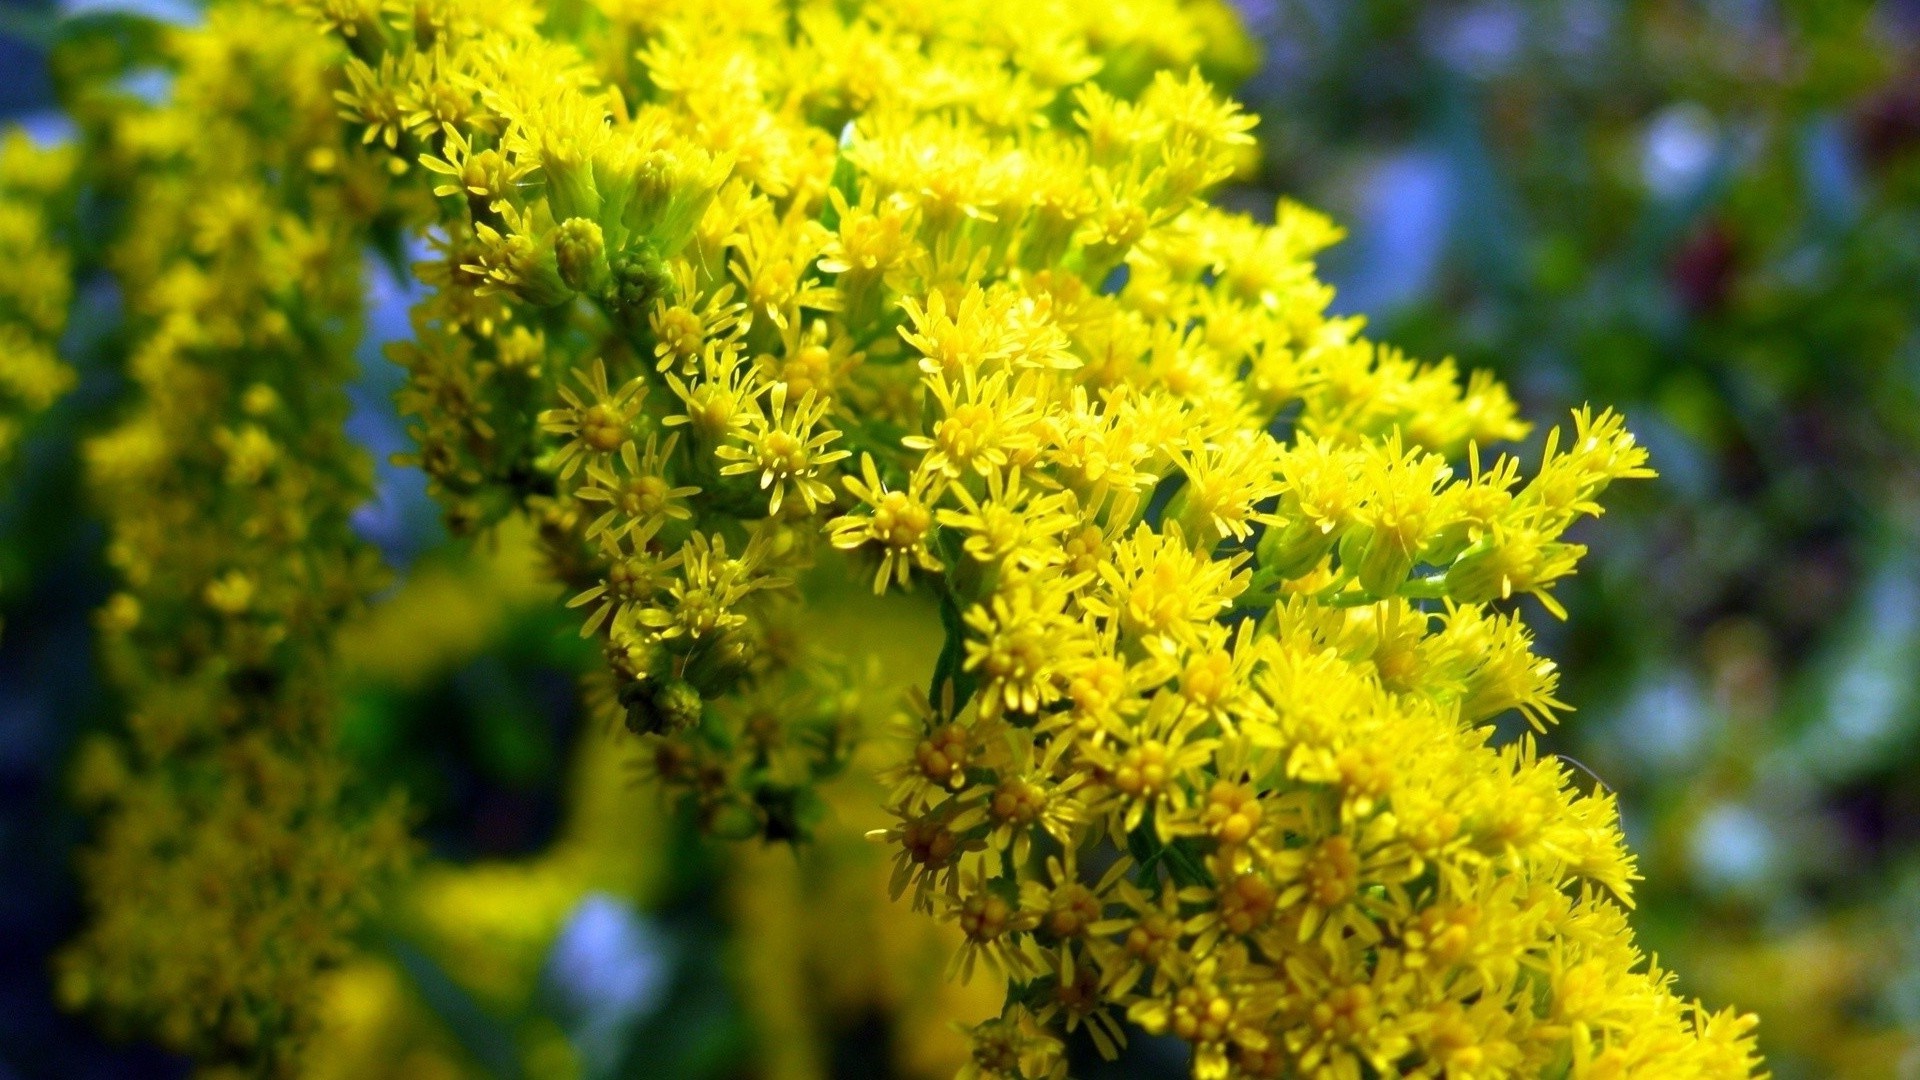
point(713, 402)
point(1154, 584)
point(785, 448)
point(1226, 483)
point(983, 424)
point(704, 600)
point(771, 265)
point(635, 575)
point(638, 493)
point(899, 521)
point(1221, 1011)
point(598, 425)
point(484, 176)
point(1026, 641)
point(958, 345)
point(992, 922)
point(683, 326)
point(1142, 773)
point(899, 230)
point(1014, 1046)
point(1010, 525)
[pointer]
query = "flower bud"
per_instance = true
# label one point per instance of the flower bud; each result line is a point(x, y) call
point(1378, 558)
point(717, 669)
point(1294, 549)
point(639, 277)
point(522, 265)
point(540, 281)
point(581, 251)
point(670, 190)
point(1446, 545)
point(1482, 573)
point(661, 706)
point(571, 189)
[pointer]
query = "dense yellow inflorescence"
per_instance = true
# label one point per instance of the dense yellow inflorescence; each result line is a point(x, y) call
point(231, 861)
point(718, 291)
point(36, 290)
point(720, 288)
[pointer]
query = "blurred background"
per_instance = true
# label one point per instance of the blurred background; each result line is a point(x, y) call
point(1706, 213)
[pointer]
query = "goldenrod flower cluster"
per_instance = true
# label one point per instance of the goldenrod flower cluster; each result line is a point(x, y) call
point(231, 861)
point(36, 290)
point(667, 347)
point(721, 288)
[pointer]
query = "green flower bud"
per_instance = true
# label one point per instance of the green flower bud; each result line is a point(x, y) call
point(661, 706)
point(1481, 574)
point(670, 190)
point(639, 277)
point(571, 188)
point(1378, 559)
point(533, 271)
point(1293, 550)
point(581, 251)
point(1446, 545)
point(716, 670)
point(678, 704)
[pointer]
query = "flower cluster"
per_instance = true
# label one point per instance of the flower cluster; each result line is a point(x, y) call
point(724, 294)
point(232, 860)
point(35, 186)
point(35, 203)
point(664, 309)
point(1228, 590)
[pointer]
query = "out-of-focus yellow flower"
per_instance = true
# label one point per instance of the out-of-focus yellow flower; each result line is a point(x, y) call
point(35, 190)
point(232, 862)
